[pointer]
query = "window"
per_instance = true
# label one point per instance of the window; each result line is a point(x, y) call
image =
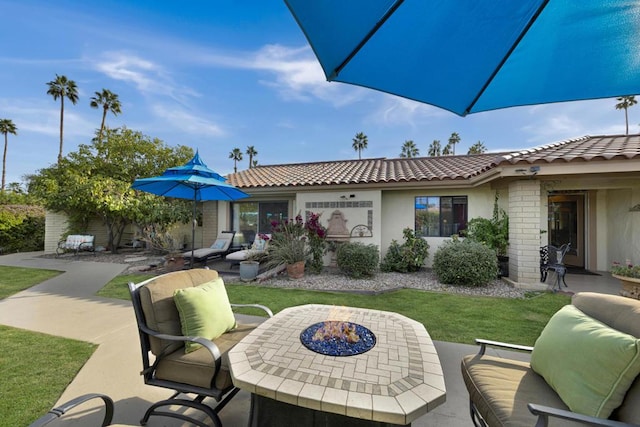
point(251, 218)
point(440, 216)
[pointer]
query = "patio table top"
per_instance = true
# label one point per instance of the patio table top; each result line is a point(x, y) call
point(397, 381)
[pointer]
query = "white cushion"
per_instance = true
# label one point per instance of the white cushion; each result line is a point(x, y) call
point(239, 255)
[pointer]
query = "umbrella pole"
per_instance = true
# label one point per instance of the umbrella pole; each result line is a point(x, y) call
point(193, 229)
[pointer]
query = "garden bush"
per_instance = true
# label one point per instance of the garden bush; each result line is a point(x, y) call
point(21, 228)
point(357, 260)
point(407, 257)
point(465, 263)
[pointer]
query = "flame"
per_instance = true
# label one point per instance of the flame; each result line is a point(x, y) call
point(339, 313)
point(336, 329)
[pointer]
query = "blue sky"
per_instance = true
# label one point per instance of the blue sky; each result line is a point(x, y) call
point(216, 75)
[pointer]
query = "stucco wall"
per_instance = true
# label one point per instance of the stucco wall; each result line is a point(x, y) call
point(398, 211)
point(622, 222)
point(357, 207)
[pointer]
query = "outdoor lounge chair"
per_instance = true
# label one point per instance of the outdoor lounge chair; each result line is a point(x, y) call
point(584, 369)
point(218, 249)
point(186, 323)
point(258, 247)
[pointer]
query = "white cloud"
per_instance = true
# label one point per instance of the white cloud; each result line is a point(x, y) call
point(42, 117)
point(394, 110)
point(148, 77)
point(187, 122)
point(298, 75)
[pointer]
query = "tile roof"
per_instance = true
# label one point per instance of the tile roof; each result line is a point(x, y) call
point(585, 149)
point(441, 168)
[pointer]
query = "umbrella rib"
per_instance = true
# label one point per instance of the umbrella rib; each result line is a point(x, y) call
point(504, 59)
point(354, 52)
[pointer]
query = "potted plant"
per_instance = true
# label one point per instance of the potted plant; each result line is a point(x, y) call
point(629, 276)
point(288, 246)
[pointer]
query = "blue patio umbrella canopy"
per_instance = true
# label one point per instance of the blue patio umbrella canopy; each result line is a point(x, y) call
point(468, 56)
point(193, 181)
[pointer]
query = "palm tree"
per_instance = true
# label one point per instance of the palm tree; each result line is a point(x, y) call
point(6, 127)
point(435, 149)
point(62, 88)
point(360, 143)
point(624, 103)
point(109, 102)
point(251, 152)
point(453, 140)
point(236, 155)
point(447, 150)
point(477, 148)
point(409, 149)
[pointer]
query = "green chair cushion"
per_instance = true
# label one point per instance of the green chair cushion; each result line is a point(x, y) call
point(590, 365)
point(204, 311)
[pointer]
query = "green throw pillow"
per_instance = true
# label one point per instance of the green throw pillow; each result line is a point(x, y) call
point(205, 312)
point(589, 364)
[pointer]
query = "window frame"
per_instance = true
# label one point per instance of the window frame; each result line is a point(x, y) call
point(448, 211)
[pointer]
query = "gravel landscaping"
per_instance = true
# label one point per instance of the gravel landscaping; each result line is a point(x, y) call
point(329, 280)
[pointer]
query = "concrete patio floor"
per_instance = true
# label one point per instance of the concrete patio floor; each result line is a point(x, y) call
point(67, 306)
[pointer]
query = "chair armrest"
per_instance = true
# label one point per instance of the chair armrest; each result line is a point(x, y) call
point(484, 343)
point(59, 411)
point(262, 307)
point(206, 343)
point(544, 412)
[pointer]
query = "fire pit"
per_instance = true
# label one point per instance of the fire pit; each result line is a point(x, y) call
point(338, 338)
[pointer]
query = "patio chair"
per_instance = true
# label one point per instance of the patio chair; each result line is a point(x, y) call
point(583, 369)
point(218, 249)
point(551, 258)
point(60, 410)
point(185, 322)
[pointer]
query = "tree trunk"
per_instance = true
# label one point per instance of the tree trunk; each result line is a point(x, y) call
point(4, 162)
point(61, 126)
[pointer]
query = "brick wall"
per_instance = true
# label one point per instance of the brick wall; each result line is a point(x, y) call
point(524, 233)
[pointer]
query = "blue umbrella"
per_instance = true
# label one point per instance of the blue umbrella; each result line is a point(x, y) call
point(468, 56)
point(193, 181)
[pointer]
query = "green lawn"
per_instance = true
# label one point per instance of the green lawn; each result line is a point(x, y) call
point(16, 279)
point(34, 371)
point(447, 317)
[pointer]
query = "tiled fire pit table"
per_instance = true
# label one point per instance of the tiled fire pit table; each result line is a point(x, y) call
point(395, 382)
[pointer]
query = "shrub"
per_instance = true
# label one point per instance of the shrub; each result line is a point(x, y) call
point(493, 232)
point(465, 263)
point(407, 257)
point(21, 228)
point(357, 260)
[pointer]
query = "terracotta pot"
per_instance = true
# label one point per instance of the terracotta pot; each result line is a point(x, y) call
point(296, 270)
point(174, 262)
point(630, 286)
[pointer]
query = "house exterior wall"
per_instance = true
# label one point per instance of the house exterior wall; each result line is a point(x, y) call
point(622, 222)
point(209, 229)
point(524, 233)
point(55, 226)
point(357, 207)
point(398, 211)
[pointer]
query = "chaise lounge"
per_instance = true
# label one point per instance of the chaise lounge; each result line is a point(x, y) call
point(584, 369)
point(218, 249)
